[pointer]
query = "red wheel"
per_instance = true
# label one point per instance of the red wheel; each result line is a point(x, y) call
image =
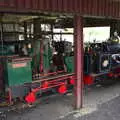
point(62, 89)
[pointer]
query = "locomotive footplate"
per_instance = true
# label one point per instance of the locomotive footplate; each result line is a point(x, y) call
point(55, 77)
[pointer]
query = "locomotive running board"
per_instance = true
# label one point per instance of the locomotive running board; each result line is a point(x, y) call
point(48, 78)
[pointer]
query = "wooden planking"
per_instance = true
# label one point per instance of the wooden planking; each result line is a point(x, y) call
point(106, 8)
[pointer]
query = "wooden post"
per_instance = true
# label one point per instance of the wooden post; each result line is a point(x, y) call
point(78, 43)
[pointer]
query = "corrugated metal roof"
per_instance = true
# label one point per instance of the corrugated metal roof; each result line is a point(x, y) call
point(106, 8)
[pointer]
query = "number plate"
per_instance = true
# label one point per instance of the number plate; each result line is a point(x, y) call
point(17, 65)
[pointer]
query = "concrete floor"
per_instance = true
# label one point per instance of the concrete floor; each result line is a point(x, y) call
point(98, 101)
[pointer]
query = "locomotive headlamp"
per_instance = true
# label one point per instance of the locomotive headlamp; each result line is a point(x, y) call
point(105, 63)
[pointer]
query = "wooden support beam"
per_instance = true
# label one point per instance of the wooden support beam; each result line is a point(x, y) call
point(78, 41)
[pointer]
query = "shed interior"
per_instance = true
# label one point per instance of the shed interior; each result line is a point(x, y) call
point(37, 56)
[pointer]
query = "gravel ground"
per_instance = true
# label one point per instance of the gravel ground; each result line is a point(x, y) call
point(100, 103)
point(107, 111)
